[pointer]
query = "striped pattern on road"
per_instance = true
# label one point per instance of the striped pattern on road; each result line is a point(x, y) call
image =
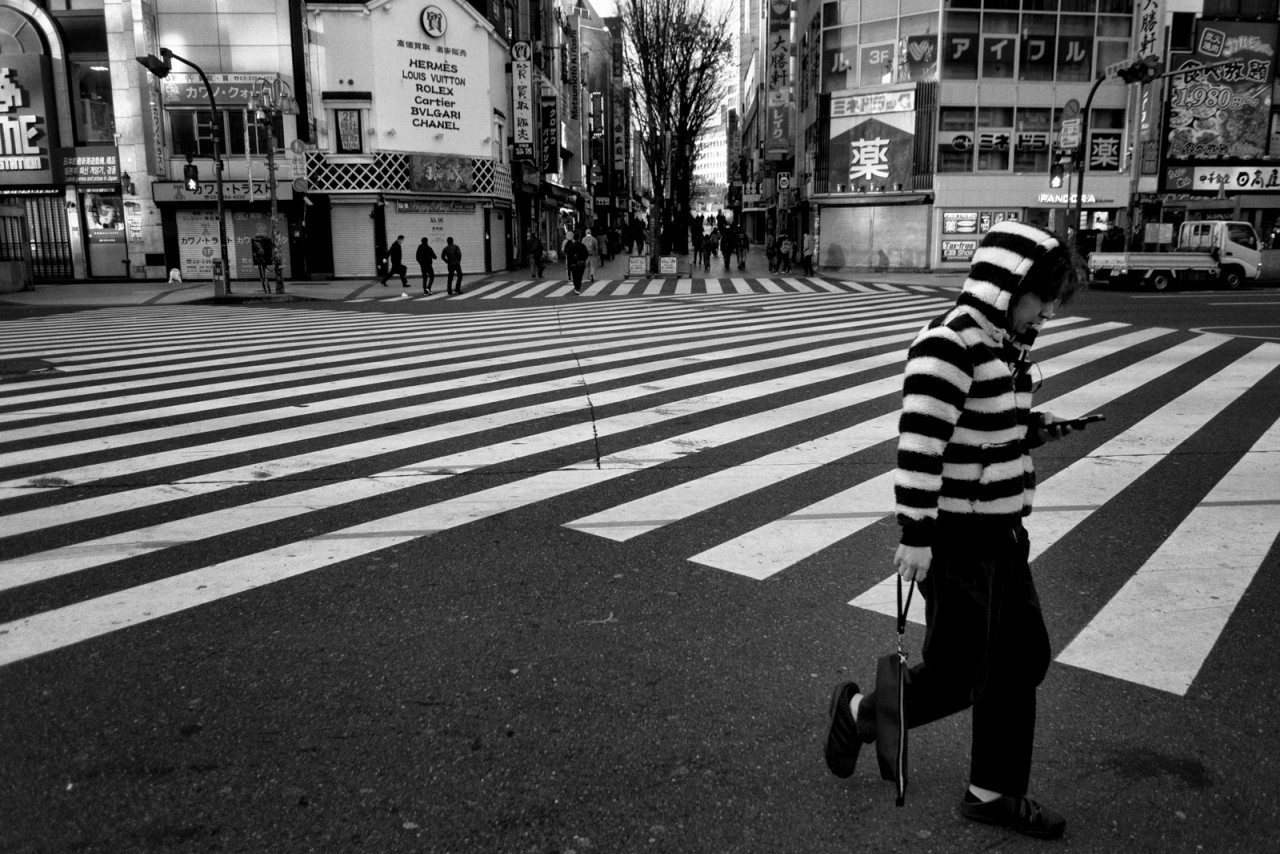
point(550, 288)
point(248, 427)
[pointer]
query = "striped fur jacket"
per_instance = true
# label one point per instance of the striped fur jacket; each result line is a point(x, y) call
point(964, 437)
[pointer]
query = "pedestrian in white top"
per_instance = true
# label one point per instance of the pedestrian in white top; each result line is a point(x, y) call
point(593, 254)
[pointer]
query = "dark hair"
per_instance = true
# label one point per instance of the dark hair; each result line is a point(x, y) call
point(1056, 276)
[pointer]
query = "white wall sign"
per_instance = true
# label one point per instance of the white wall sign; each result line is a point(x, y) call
point(522, 98)
point(431, 78)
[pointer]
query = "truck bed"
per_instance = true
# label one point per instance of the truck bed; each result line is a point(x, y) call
point(1152, 261)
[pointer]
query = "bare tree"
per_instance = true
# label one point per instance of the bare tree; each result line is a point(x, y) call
point(675, 66)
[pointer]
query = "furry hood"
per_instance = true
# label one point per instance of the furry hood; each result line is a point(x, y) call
point(999, 269)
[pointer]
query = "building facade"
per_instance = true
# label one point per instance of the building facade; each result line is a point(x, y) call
point(899, 131)
point(352, 122)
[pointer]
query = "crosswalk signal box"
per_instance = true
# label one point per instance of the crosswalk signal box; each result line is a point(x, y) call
point(191, 177)
point(1057, 175)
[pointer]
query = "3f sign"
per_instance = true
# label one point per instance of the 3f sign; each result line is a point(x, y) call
point(879, 56)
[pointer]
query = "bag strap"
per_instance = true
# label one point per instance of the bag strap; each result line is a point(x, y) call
point(902, 609)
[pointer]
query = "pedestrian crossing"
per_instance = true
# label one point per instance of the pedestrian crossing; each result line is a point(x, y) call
point(284, 442)
point(555, 288)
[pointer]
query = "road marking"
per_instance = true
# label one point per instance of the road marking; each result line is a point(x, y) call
point(1159, 629)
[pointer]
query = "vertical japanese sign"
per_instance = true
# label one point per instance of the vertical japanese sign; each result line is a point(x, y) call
point(1224, 112)
point(550, 133)
point(1149, 15)
point(522, 99)
point(572, 69)
point(778, 82)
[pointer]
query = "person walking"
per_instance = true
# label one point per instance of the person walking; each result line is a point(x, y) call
point(452, 257)
point(771, 253)
point(726, 246)
point(394, 265)
point(426, 257)
point(578, 257)
point(710, 248)
point(537, 261)
point(741, 244)
point(785, 248)
point(806, 253)
point(593, 254)
point(963, 484)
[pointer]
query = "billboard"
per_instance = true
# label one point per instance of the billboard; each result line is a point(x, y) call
point(29, 120)
point(1223, 113)
point(872, 141)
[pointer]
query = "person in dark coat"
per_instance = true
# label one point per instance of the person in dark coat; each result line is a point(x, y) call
point(452, 257)
point(394, 265)
point(426, 255)
point(537, 256)
point(727, 246)
point(577, 254)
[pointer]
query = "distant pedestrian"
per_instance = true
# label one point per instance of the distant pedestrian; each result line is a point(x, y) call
point(740, 245)
point(394, 266)
point(771, 253)
point(577, 257)
point(727, 246)
point(806, 251)
point(710, 248)
point(593, 254)
point(452, 257)
point(785, 248)
point(261, 248)
point(537, 257)
point(426, 256)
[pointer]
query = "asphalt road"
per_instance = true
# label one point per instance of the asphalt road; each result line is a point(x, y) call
point(340, 577)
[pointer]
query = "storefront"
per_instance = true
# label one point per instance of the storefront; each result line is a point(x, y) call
point(967, 207)
point(192, 220)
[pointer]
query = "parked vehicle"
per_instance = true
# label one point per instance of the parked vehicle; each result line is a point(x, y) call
point(1222, 253)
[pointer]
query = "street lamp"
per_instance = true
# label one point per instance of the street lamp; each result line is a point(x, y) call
point(272, 97)
point(160, 67)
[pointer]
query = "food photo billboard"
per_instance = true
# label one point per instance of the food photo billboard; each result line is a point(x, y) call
point(1219, 119)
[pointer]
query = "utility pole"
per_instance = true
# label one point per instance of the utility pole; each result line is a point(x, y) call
point(272, 97)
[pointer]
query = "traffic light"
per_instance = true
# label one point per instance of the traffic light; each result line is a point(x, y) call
point(191, 177)
point(1057, 175)
point(1143, 71)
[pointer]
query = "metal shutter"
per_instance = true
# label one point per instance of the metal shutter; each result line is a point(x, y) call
point(875, 238)
point(354, 255)
point(465, 227)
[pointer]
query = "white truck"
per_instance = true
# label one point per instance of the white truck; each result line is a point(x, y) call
point(1222, 253)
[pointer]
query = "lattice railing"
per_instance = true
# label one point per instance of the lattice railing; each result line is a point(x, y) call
point(389, 172)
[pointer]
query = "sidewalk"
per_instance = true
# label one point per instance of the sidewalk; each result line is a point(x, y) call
point(163, 293)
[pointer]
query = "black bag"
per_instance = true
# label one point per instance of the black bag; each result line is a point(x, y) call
point(892, 678)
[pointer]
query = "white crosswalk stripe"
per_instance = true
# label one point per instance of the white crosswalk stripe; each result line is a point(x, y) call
point(555, 288)
point(188, 425)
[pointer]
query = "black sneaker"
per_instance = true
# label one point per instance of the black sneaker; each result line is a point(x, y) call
point(843, 739)
point(1021, 814)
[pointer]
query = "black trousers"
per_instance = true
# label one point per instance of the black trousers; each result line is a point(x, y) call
point(428, 277)
point(985, 646)
point(575, 274)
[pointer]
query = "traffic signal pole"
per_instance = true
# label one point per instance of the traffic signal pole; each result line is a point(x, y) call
point(161, 68)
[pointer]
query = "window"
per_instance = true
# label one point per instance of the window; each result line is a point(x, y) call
point(839, 48)
point(995, 138)
point(1038, 47)
point(193, 130)
point(94, 115)
point(1032, 136)
point(348, 131)
point(955, 139)
point(999, 45)
point(960, 46)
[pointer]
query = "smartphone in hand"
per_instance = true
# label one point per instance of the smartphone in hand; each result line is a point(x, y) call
point(1079, 423)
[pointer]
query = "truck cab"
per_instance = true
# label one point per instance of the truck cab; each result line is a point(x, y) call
point(1234, 245)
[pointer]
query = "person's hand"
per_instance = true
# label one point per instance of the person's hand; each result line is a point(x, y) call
point(912, 562)
point(1052, 428)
